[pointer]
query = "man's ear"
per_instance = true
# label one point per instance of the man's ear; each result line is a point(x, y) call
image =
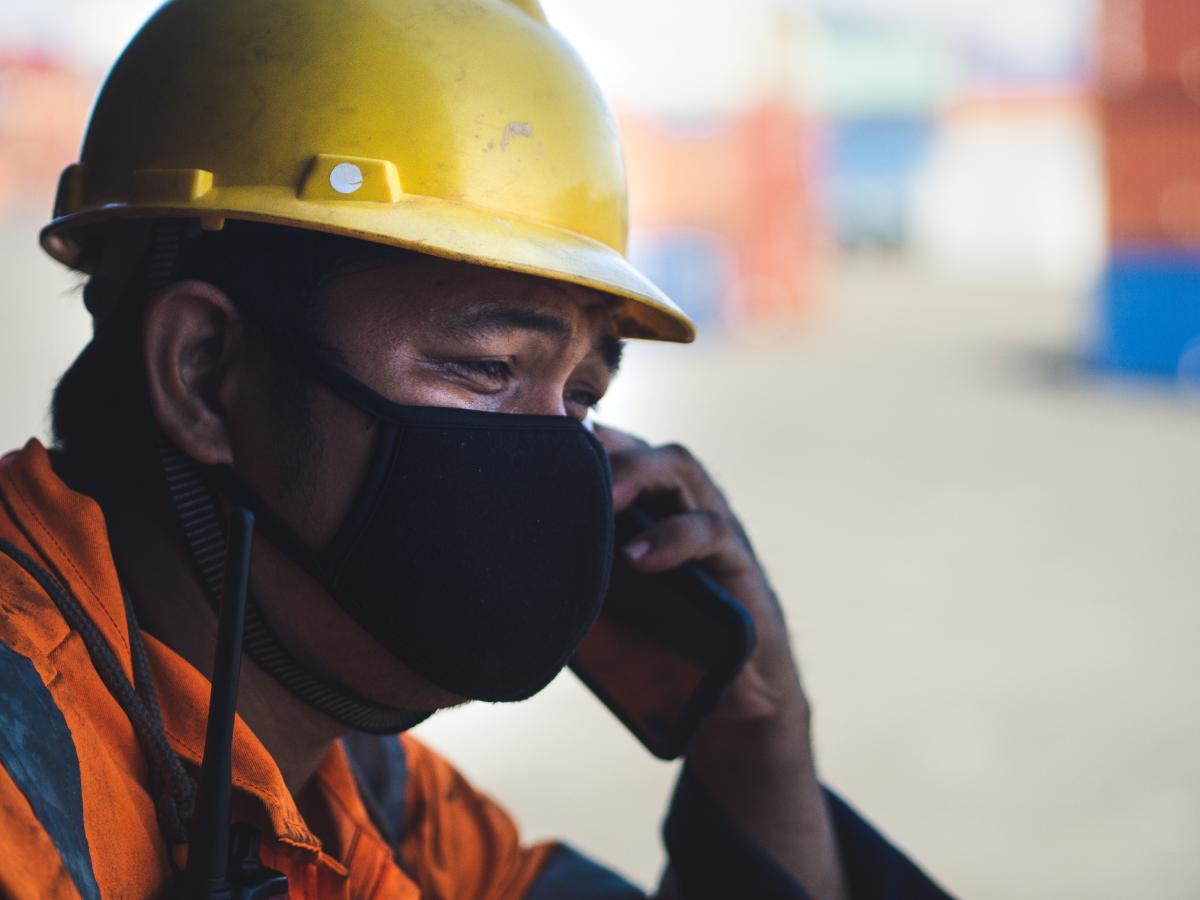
point(193, 340)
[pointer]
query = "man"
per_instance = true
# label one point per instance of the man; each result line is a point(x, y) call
point(359, 267)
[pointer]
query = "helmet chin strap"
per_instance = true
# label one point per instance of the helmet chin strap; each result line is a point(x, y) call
point(198, 513)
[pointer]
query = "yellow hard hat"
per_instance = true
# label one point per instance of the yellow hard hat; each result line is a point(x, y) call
point(466, 129)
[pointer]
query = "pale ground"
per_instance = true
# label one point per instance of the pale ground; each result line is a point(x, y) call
point(989, 561)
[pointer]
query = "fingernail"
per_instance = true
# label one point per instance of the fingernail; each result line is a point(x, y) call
point(637, 549)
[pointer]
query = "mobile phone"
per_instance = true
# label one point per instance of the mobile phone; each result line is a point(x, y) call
point(665, 648)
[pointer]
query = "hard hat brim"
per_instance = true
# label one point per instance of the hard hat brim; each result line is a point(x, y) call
point(431, 225)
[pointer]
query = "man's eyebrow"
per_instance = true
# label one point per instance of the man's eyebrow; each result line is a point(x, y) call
point(490, 318)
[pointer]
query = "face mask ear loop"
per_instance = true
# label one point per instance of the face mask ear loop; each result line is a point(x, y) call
point(312, 360)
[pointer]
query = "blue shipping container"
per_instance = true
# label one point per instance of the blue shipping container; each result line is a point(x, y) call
point(1148, 306)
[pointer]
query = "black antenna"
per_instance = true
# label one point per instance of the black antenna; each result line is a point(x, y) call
point(208, 874)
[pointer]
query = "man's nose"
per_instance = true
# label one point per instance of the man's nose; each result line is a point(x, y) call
point(543, 400)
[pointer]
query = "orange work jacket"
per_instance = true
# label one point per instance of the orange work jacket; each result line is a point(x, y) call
point(77, 817)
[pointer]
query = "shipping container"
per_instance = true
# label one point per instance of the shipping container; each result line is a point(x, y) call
point(1152, 169)
point(1148, 313)
point(1150, 44)
point(730, 197)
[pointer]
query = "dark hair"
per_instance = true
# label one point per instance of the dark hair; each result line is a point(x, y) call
point(100, 413)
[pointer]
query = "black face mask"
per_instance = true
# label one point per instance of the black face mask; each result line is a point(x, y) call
point(479, 546)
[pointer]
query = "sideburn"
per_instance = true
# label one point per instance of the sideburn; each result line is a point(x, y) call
point(299, 448)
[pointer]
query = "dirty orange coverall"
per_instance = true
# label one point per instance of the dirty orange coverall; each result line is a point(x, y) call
point(77, 817)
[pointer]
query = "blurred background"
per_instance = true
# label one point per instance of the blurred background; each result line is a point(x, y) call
point(945, 255)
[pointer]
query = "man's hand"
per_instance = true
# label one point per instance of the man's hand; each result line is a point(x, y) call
point(754, 754)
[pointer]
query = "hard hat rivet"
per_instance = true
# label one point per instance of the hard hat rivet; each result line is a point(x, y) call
point(345, 178)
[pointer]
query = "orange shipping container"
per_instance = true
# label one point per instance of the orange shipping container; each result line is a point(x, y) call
point(1150, 44)
point(1153, 174)
point(742, 181)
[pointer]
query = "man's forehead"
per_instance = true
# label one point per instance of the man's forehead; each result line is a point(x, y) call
point(437, 283)
point(472, 302)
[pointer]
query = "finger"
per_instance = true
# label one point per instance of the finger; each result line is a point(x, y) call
point(661, 470)
point(616, 441)
point(699, 535)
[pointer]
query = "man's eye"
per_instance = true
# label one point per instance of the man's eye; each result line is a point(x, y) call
point(585, 398)
point(496, 370)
